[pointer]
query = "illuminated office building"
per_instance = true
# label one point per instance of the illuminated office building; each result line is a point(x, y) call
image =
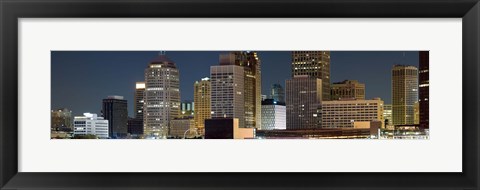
point(202, 98)
point(228, 92)
point(304, 102)
point(404, 94)
point(162, 96)
point(314, 64)
point(139, 100)
point(387, 115)
point(348, 89)
point(252, 83)
point(345, 113)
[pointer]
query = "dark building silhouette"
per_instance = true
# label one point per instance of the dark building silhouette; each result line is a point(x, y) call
point(219, 128)
point(114, 109)
point(278, 93)
point(135, 126)
point(423, 88)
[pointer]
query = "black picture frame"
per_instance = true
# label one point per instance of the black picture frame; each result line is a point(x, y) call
point(12, 10)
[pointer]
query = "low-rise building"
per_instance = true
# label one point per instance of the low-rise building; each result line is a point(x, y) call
point(274, 115)
point(90, 124)
point(344, 113)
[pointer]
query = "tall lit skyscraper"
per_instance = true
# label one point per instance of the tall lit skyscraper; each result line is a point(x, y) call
point(228, 92)
point(304, 102)
point(162, 96)
point(114, 109)
point(404, 94)
point(202, 98)
point(139, 100)
point(424, 88)
point(252, 83)
point(347, 89)
point(314, 64)
point(278, 93)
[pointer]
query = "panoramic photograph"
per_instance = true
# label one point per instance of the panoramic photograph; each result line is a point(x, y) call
point(262, 95)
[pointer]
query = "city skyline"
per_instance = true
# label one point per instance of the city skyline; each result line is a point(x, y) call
point(70, 69)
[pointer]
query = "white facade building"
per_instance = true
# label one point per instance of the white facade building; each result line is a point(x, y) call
point(161, 97)
point(90, 124)
point(274, 116)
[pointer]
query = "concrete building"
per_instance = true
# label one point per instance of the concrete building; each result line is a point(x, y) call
point(61, 120)
point(314, 64)
point(162, 97)
point(424, 88)
point(404, 94)
point(227, 90)
point(114, 109)
point(304, 102)
point(278, 93)
point(139, 100)
point(387, 115)
point(252, 83)
point(347, 89)
point(183, 127)
point(344, 113)
point(274, 115)
point(90, 124)
point(202, 97)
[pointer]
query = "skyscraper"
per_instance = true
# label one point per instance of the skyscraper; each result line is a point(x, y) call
point(162, 96)
point(228, 92)
point(424, 88)
point(314, 64)
point(139, 100)
point(114, 109)
point(252, 83)
point(347, 89)
point(278, 93)
point(304, 102)
point(404, 94)
point(202, 98)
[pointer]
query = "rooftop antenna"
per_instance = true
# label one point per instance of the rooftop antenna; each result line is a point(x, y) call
point(162, 53)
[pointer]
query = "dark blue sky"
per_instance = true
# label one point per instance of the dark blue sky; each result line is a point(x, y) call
point(81, 79)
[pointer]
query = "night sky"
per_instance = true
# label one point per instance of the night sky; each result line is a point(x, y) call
point(81, 79)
